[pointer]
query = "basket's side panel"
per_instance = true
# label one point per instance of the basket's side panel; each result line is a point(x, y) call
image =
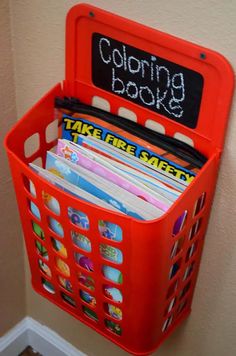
point(35, 126)
point(165, 264)
point(185, 248)
point(32, 127)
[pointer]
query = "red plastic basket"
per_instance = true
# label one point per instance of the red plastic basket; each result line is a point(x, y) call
point(159, 268)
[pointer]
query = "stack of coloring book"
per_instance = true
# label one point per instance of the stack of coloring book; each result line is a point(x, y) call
point(117, 164)
point(101, 174)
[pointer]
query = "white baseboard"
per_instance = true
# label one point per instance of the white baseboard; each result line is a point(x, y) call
point(43, 339)
point(15, 340)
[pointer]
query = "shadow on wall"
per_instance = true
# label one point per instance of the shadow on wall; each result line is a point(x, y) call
point(12, 279)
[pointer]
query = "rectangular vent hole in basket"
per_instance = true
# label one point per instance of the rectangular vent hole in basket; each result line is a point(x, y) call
point(56, 226)
point(31, 145)
point(179, 136)
point(67, 298)
point(175, 268)
point(101, 103)
point(185, 290)
point(81, 241)
point(89, 313)
point(177, 246)
point(87, 298)
point(113, 327)
point(111, 253)
point(127, 114)
point(112, 274)
point(167, 323)
point(182, 306)
point(62, 266)
point(51, 203)
point(194, 229)
point(41, 250)
point(110, 230)
point(34, 209)
point(38, 161)
point(65, 283)
point(199, 204)
point(29, 185)
point(113, 310)
point(191, 251)
point(48, 286)
point(113, 293)
point(38, 230)
point(188, 271)
point(86, 281)
point(171, 305)
point(155, 126)
point(44, 268)
point(51, 132)
point(179, 223)
point(78, 218)
point(59, 247)
point(172, 288)
point(84, 262)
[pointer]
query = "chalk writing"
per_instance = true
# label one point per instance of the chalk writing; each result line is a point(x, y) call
point(146, 79)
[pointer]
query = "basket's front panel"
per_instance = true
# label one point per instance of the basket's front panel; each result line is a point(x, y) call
point(80, 255)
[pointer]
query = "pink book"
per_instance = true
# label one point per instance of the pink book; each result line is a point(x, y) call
point(73, 154)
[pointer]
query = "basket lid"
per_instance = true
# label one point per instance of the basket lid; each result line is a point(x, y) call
point(178, 84)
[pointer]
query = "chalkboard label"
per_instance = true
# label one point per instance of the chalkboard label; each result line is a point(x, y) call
point(147, 80)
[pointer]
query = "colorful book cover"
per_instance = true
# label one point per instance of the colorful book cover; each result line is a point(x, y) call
point(110, 230)
point(111, 253)
point(131, 161)
point(76, 175)
point(111, 173)
point(81, 241)
point(83, 124)
point(120, 168)
point(113, 294)
point(77, 217)
point(52, 204)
